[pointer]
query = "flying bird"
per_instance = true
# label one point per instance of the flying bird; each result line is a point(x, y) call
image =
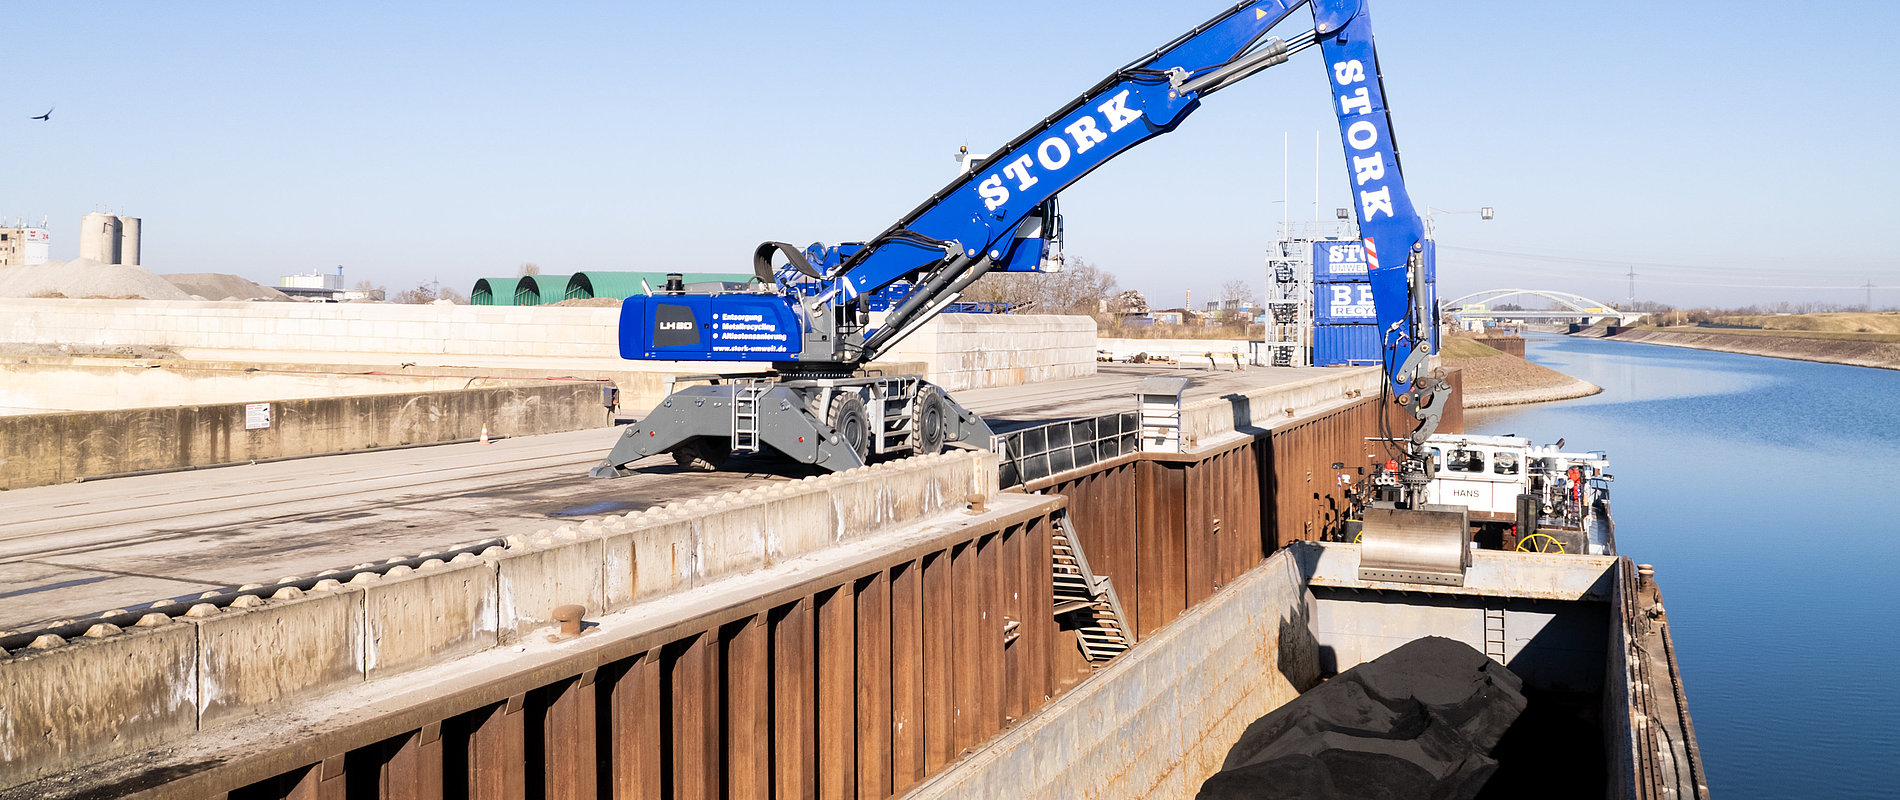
point(48, 116)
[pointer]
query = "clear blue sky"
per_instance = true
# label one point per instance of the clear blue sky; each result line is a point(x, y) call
point(1728, 150)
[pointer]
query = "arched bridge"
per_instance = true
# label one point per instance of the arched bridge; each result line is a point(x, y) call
point(1569, 308)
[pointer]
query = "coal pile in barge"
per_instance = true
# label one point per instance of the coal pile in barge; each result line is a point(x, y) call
point(1420, 721)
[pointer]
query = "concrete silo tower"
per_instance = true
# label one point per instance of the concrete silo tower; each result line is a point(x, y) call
point(99, 238)
point(129, 241)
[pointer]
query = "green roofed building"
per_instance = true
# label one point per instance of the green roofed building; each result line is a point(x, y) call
point(537, 290)
point(622, 285)
point(493, 292)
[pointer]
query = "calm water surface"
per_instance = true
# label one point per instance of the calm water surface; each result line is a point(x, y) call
point(1767, 494)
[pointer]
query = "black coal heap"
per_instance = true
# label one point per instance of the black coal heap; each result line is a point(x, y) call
point(1418, 722)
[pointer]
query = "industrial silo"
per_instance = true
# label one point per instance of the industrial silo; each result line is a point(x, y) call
point(99, 238)
point(129, 241)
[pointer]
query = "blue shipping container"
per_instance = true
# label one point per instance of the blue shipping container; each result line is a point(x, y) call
point(1335, 262)
point(1343, 310)
point(1337, 345)
point(1343, 303)
point(1345, 262)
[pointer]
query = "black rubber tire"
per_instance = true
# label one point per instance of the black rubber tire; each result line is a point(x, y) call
point(702, 454)
point(927, 421)
point(848, 418)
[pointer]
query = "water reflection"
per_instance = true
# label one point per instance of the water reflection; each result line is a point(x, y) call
point(1759, 488)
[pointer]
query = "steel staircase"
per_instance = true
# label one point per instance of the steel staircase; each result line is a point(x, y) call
point(1079, 592)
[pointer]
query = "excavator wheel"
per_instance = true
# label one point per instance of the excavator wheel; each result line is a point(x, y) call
point(927, 421)
point(702, 454)
point(848, 418)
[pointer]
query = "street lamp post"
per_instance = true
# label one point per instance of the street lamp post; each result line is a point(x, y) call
point(1483, 213)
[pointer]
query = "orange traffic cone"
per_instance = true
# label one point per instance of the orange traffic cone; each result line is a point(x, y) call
point(484, 434)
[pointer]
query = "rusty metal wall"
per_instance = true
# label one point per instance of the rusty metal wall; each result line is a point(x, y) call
point(1304, 495)
point(1171, 533)
point(1453, 420)
point(858, 687)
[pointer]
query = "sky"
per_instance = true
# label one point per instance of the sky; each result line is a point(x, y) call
point(1729, 153)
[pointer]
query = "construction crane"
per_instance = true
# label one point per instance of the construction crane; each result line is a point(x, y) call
point(809, 311)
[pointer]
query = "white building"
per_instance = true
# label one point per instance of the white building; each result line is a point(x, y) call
point(314, 280)
point(24, 246)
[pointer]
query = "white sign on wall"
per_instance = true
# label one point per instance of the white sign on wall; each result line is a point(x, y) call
point(256, 416)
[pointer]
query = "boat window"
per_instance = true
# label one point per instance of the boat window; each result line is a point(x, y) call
point(1505, 464)
point(1465, 461)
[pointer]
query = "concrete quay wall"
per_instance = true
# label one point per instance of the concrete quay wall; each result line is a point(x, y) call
point(41, 449)
point(38, 385)
point(1242, 414)
point(142, 678)
point(206, 329)
point(1159, 720)
point(959, 351)
point(1193, 351)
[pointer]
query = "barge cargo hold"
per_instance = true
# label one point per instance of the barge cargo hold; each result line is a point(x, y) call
point(1607, 716)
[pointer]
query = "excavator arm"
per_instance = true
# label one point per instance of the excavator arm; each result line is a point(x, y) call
point(811, 311)
point(1390, 226)
point(810, 314)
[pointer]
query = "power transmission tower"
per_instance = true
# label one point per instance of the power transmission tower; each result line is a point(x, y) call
point(1632, 298)
point(1870, 296)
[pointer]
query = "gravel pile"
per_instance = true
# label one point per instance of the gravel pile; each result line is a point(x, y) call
point(84, 277)
point(1503, 379)
point(220, 286)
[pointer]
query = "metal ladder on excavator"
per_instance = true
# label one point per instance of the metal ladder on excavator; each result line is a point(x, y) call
point(1101, 634)
point(745, 413)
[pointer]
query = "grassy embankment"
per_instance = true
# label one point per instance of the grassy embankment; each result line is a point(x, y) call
point(1458, 347)
point(1854, 326)
point(1853, 338)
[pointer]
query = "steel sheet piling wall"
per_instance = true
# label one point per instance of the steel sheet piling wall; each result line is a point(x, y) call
point(1304, 496)
point(1198, 525)
point(860, 687)
point(860, 682)
point(1201, 521)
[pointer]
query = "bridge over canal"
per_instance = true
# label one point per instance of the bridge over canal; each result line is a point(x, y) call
point(1568, 308)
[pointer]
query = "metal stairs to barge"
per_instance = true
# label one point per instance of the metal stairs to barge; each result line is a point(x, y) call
point(1092, 600)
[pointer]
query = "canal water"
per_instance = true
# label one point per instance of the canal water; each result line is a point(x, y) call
point(1767, 494)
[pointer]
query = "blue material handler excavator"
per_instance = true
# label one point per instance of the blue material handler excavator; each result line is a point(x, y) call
point(809, 311)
